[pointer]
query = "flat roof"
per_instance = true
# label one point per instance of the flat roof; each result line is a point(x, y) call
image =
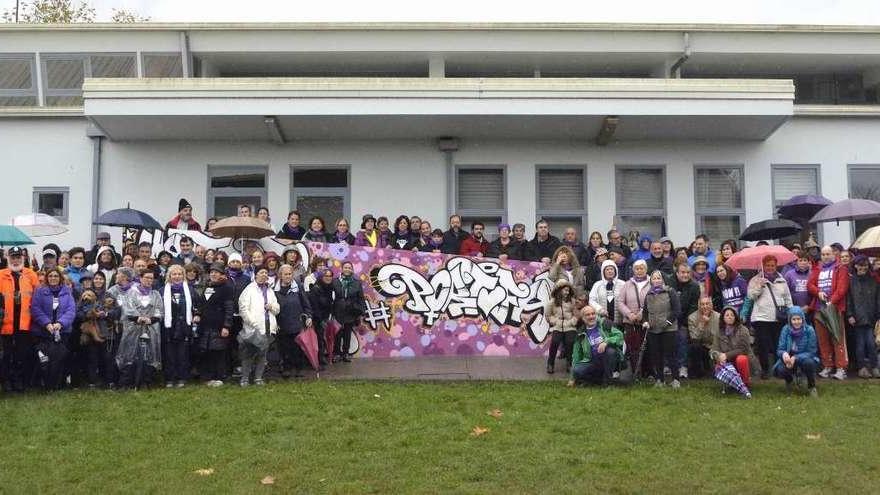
point(442, 26)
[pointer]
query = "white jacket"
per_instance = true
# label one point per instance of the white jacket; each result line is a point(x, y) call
point(599, 292)
point(253, 312)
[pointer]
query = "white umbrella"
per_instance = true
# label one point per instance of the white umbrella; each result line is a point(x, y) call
point(39, 225)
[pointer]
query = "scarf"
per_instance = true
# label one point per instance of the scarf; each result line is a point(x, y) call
point(436, 245)
point(316, 233)
point(700, 277)
point(144, 290)
point(346, 282)
point(371, 237)
point(656, 289)
point(639, 279)
point(166, 299)
point(125, 286)
point(403, 233)
point(56, 291)
point(770, 277)
point(296, 232)
point(796, 334)
point(728, 330)
point(341, 236)
point(234, 273)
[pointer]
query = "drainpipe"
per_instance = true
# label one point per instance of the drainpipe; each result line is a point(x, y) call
point(675, 70)
point(97, 140)
point(449, 145)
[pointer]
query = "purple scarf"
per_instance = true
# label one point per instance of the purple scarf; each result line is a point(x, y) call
point(264, 288)
point(341, 236)
point(144, 290)
point(177, 287)
point(296, 232)
point(125, 286)
point(640, 279)
point(770, 277)
point(700, 277)
point(317, 233)
point(656, 289)
point(728, 330)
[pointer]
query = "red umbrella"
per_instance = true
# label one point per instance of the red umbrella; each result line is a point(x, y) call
point(330, 332)
point(308, 342)
point(750, 258)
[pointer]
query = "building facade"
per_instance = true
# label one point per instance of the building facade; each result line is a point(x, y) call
point(679, 129)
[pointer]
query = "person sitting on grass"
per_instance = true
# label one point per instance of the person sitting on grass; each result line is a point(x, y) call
point(597, 352)
point(731, 345)
point(797, 351)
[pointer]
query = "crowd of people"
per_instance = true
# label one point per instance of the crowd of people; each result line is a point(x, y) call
point(126, 318)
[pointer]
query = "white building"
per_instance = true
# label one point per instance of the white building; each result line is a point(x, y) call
point(705, 126)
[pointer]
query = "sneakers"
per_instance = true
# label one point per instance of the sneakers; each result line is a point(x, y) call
point(169, 385)
point(864, 373)
point(215, 383)
point(875, 373)
point(825, 373)
point(550, 369)
point(180, 384)
point(683, 372)
point(259, 382)
point(747, 396)
point(616, 375)
point(244, 384)
point(814, 393)
point(676, 384)
point(659, 384)
point(840, 375)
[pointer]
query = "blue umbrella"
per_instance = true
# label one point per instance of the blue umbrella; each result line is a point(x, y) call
point(803, 206)
point(12, 236)
point(128, 217)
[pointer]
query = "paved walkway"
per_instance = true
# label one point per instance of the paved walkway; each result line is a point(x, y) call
point(445, 368)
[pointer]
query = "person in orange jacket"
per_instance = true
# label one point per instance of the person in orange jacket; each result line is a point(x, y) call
point(17, 286)
point(828, 286)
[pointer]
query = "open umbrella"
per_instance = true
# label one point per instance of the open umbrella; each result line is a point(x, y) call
point(242, 228)
point(726, 373)
point(128, 217)
point(803, 206)
point(848, 209)
point(12, 236)
point(775, 228)
point(308, 342)
point(39, 224)
point(750, 258)
point(869, 242)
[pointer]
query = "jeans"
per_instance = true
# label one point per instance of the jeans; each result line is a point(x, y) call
point(807, 367)
point(683, 347)
point(343, 339)
point(253, 361)
point(567, 341)
point(767, 335)
point(292, 356)
point(598, 371)
point(663, 347)
point(866, 348)
point(176, 360)
point(214, 364)
point(102, 364)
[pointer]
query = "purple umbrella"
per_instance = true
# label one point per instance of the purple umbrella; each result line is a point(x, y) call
point(848, 209)
point(726, 373)
point(803, 206)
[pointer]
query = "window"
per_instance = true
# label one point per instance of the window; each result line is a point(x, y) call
point(481, 195)
point(793, 180)
point(832, 89)
point(64, 74)
point(719, 201)
point(163, 65)
point(864, 183)
point(321, 191)
point(18, 86)
point(231, 187)
point(53, 201)
point(562, 197)
point(641, 199)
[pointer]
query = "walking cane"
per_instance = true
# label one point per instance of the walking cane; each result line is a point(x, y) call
point(637, 373)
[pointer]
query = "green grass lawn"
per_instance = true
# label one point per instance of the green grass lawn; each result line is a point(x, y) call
point(386, 437)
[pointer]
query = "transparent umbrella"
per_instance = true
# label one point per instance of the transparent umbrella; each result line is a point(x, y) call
point(39, 224)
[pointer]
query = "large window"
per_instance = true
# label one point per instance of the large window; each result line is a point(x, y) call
point(719, 201)
point(864, 183)
point(641, 199)
point(793, 180)
point(18, 86)
point(231, 187)
point(562, 196)
point(63, 74)
point(481, 195)
point(321, 191)
point(162, 65)
point(52, 201)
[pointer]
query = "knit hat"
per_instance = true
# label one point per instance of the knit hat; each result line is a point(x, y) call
point(860, 260)
point(600, 252)
point(217, 267)
point(234, 257)
point(365, 218)
point(700, 259)
point(183, 203)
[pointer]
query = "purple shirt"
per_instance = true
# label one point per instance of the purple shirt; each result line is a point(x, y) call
point(595, 338)
point(797, 285)
point(735, 293)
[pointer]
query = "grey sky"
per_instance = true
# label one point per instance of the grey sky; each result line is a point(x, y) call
point(741, 11)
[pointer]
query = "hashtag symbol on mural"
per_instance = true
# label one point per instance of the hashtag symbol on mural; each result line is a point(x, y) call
point(376, 314)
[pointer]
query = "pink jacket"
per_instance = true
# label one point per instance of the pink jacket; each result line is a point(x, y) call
point(631, 299)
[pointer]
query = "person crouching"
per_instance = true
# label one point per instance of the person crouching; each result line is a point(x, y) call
point(797, 351)
point(597, 352)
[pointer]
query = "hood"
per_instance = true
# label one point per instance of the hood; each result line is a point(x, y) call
point(101, 251)
point(612, 265)
point(796, 311)
point(642, 239)
point(560, 284)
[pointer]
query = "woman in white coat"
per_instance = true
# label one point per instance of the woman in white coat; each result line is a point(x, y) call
point(604, 294)
point(258, 308)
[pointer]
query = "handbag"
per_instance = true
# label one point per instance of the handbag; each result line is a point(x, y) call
point(781, 312)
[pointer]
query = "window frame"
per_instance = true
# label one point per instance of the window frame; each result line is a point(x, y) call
point(792, 166)
point(619, 213)
point(65, 194)
point(850, 167)
point(740, 212)
point(85, 58)
point(579, 213)
point(143, 61)
point(23, 93)
point(345, 192)
point(230, 192)
point(478, 213)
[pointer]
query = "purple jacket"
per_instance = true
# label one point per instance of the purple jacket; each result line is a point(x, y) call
point(42, 313)
point(733, 294)
point(797, 285)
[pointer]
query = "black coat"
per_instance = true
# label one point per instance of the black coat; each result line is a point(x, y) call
point(295, 308)
point(321, 300)
point(537, 249)
point(215, 313)
point(348, 307)
point(513, 249)
point(863, 300)
point(452, 241)
point(403, 242)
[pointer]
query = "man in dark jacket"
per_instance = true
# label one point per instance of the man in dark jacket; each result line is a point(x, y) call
point(570, 239)
point(863, 308)
point(543, 245)
point(187, 255)
point(452, 238)
point(615, 240)
point(184, 219)
point(101, 240)
point(659, 262)
point(689, 297)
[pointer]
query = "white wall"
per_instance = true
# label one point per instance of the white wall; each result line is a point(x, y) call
point(389, 178)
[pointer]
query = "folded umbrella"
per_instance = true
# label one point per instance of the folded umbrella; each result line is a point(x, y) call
point(847, 210)
point(128, 217)
point(726, 373)
point(750, 258)
point(330, 332)
point(242, 228)
point(307, 340)
point(12, 236)
point(869, 242)
point(831, 319)
point(775, 228)
point(39, 224)
point(803, 206)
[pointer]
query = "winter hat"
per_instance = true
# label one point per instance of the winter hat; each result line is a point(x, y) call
point(234, 257)
point(217, 267)
point(183, 203)
point(600, 252)
point(700, 259)
point(860, 260)
point(365, 218)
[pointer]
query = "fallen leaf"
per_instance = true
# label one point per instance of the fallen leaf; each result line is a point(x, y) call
point(377, 396)
point(814, 436)
point(204, 472)
point(268, 480)
point(478, 430)
point(496, 413)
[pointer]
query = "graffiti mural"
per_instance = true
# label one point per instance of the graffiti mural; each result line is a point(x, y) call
point(423, 304)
